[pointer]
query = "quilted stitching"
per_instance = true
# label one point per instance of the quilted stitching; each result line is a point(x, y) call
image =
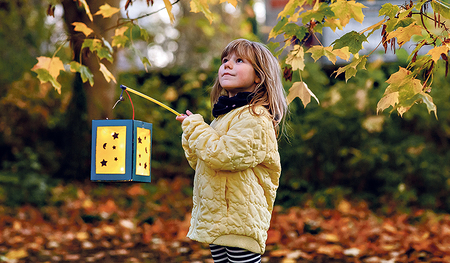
point(237, 172)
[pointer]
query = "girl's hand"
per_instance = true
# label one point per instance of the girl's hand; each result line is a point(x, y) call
point(181, 117)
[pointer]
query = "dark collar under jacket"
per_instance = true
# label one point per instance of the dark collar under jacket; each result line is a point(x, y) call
point(226, 104)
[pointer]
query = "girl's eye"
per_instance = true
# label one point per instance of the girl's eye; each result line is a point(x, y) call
point(225, 60)
point(239, 60)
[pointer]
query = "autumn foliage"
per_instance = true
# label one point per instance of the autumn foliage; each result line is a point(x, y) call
point(97, 222)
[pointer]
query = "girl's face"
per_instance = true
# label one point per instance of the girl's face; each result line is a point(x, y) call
point(236, 74)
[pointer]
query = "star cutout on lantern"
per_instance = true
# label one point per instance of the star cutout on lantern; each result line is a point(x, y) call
point(139, 140)
point(115, 135)
point(145, 165)
point(115, 159)
point(114, 147)
point(103, 162)
point(104, 145)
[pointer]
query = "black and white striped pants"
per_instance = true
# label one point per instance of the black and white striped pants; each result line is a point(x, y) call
point(222, 254)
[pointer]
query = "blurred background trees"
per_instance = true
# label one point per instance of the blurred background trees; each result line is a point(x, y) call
point(339, 149)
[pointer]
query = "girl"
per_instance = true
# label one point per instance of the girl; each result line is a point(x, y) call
point(236, 160)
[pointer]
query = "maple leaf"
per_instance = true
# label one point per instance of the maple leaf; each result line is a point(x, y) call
point(386, 101)
point(84, 71)
point(202, 6)
point(442, 8)
point(81, 27)
point(353, 40)
point(290, 8)
point(96, 45)
point(351, 69)
point(169, 11)
point(318, 13)
point(333, 23)
point(295, 58)
point(389, 10)
point(404, 34)
point(107, 11)
point(319, 51)
point(86, 9)
point(403, 92)
point(106, 73)
point(48, 70)
point(119, 39)
point(436, 52)
point(301, 90)
point(346, 10)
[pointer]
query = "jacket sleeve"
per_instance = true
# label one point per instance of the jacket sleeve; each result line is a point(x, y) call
point(243, 146)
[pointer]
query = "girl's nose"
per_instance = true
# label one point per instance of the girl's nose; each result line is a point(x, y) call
point(228, 64)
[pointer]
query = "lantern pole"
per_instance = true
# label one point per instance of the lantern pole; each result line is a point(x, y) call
point(150, 99)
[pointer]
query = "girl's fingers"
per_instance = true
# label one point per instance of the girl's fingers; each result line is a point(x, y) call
point(188, 112)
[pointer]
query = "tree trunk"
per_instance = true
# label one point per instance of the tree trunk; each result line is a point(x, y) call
point(100, 98)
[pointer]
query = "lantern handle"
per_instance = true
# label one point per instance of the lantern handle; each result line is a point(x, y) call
point(119, 100)
point(146, 97)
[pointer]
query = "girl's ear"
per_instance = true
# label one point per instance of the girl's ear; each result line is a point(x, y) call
point(257, 79)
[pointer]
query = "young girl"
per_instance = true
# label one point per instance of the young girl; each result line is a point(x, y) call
point(236, 160)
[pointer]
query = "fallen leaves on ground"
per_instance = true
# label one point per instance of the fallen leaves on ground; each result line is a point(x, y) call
point(133, 222)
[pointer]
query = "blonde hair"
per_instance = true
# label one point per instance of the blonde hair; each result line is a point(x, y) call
point(269, 92)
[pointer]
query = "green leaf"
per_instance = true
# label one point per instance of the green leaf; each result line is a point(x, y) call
point(44, 76)
point(353, 40)
point(120, 41)
point(292, 29)
point(146, 63)
point(278, 28)
point(84, 71)
point(428, 100)
point(442, 8)
point(95, 45)
point(290, 7)
point(318, 14)
point(353, 67)
point(389, 10)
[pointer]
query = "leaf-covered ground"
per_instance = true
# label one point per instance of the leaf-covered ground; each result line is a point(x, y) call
point(132, 222)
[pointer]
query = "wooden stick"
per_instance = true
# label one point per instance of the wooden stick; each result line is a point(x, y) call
point(150, 99)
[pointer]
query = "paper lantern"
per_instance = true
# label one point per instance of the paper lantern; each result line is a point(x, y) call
point(121, 150)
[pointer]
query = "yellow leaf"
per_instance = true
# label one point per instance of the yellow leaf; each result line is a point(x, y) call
point(54, 65)
point(107, 11)
point(86, 8)
point(232, 2)
point(106, 73)
point(169, 10)
point(17, 254)
point(436, 52)
point(81, 236)
point(404, 34)
point(120, 31)
point(81, 27)
point(333, 23)
point(202, 6)
point(346, 10)
point(388, 100)
point(343, 53)
point(295, 58)
point(319, 51)
point(301, 90)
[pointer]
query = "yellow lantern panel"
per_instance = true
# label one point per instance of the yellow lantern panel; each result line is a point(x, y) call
point(110, 150)
point(143, 144)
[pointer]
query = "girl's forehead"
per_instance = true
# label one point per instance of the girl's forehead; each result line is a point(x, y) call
point(239, 52)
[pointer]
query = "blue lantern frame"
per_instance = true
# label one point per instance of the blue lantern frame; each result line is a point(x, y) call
point(130, 151)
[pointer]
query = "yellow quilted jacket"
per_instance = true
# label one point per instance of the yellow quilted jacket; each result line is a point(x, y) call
point(237, 171)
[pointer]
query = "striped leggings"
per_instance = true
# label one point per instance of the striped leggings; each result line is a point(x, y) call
point(222, 254)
